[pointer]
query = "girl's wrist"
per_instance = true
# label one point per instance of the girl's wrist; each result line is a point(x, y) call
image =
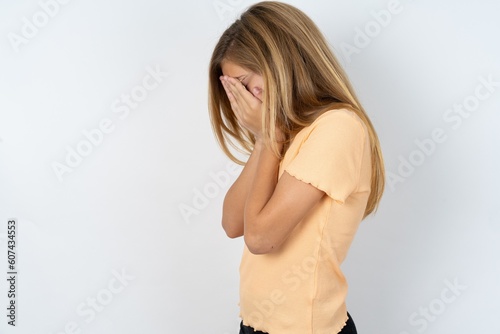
point(260, 147)
point(259, 144)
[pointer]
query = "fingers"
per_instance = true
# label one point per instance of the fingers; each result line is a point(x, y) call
point(236, 93)
point(232, 99)
point(227, 88)
point(235, 87)
point(239, 90)
point(246, 106)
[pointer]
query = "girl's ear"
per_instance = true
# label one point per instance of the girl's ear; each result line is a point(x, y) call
point(257, 92)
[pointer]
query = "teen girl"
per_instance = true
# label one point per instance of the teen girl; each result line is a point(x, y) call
point(315, 168)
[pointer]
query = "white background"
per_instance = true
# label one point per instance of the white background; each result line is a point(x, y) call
point(118, 211)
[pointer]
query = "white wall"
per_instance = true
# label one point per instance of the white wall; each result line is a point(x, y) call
point(116, 212)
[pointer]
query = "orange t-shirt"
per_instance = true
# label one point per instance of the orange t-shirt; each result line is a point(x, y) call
point(299, 288)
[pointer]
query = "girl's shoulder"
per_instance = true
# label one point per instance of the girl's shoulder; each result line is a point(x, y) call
point(341, 113)
point(336, 119)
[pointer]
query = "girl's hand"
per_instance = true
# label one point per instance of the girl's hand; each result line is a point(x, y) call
point(246, 106)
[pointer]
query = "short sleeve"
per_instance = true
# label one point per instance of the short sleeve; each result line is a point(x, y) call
point(330, 156)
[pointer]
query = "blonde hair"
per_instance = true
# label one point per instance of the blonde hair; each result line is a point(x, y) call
point(302, 79)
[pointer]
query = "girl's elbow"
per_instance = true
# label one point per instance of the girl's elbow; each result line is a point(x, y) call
point(257, 245)
point(233, 234)
point(231, 230)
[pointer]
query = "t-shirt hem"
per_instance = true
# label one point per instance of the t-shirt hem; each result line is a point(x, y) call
point(265, 330)
point(345, 323)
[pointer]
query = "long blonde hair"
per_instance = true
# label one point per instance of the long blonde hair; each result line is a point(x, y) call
point(302, 79)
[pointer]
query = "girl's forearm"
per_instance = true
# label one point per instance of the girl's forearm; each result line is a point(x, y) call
point(234, 202)
point(261, 189)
